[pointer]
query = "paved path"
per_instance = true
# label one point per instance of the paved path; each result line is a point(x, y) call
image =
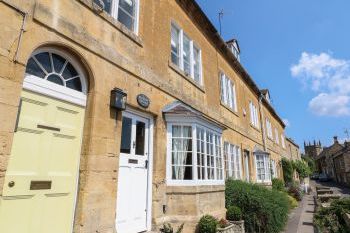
point(301, 218)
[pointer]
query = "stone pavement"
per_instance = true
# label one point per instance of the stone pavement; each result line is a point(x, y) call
point(301, 218)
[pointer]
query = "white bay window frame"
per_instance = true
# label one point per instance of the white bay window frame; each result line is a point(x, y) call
point(217, 152)
point(193, 62)
point(115, 10)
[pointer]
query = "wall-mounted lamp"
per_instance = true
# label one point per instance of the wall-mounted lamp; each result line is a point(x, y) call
point(118, 99)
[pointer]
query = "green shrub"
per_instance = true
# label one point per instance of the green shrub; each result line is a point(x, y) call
point(234, 213)
point(278, 184)
point(302, 168)
point(207, 224)
point(331, 219)
point(295, 192)
point(168, 228)
point(288, 169)
point(263, 210)
point(293, 203)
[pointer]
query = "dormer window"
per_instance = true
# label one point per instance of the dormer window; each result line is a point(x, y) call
point(234, 47)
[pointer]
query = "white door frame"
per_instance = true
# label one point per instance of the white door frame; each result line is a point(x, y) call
point(150, 164)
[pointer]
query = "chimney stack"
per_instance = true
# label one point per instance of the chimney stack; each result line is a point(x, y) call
point(335, 140)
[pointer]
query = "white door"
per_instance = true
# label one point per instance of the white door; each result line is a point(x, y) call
point(132, 204)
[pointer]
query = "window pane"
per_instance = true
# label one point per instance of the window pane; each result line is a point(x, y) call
point(196, 64)
point(126, 19)
point(69, 71)
point(58, 62)
point(105, 4)
point(45, 61)
point(182, 153)
point(125, 146)
point(175, 46)
point(187, 54)
point(34, 69)
point(128, 6)
point(55, 79)
point(140, 138)
point(74, 84)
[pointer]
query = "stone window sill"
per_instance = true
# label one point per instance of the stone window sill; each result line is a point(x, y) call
point(229, 109)
point(114, 22)
point(185, 76)
point(254, 127)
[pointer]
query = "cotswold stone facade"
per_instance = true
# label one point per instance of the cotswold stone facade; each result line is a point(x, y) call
point(165, 162)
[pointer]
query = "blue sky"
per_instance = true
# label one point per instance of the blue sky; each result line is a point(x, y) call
point(300, 51)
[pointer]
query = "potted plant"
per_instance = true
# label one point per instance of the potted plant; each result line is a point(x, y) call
point(234, 215)
point(224, 226)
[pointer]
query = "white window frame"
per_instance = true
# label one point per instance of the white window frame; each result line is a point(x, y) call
point(283, 141)
point(254, 117)
point(194, 123)
point(193, 46)
point(276, 137)
point(267, 173)
point(233, 161)
point(114, 14)
point(228, 92)
point(269, 129)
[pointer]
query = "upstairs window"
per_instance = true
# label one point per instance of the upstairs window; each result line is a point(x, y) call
point(282, 141)
point(269, 128)
point(276, 136)
point(185, 54)
point(233, 161)
point(125, 11)
point(228, 92)
point(254, 118)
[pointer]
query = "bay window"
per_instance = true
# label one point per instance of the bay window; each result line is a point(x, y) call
point(262, 164)
point(228, 92)
point(185, 54)
point(195, 155)
point(233, 161)
point(125, 11)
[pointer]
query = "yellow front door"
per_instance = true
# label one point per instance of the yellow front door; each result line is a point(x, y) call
point(41, 179)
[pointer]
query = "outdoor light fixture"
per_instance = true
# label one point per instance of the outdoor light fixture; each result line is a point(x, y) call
point(118, 99)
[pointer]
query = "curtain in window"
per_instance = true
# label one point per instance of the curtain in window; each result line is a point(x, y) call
point(181, 141)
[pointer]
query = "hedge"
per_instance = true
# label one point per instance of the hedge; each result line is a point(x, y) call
point(287, 167)
point(263, 210)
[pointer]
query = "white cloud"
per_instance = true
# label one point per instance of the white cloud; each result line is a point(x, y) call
point(286, 122)
point(329, 78)
point(330, 105)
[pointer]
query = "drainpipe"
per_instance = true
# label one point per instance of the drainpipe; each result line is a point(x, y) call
point(262, 123)
point(22, 30)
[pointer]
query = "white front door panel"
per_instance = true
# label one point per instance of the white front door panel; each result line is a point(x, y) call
point(133, 175)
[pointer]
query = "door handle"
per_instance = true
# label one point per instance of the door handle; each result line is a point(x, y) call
point(146, 164)
point(11, 184)
point(133, 144)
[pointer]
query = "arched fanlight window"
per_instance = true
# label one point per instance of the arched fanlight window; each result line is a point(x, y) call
point(56, 68)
